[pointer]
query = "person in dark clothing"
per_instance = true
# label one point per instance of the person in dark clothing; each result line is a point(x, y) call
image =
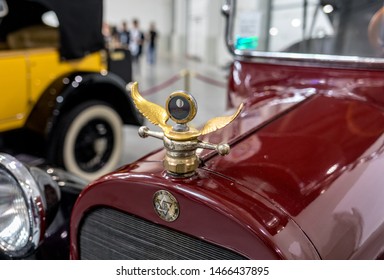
point(124, 36)
point(152, 38)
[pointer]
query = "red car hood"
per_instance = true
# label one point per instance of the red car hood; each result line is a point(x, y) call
point(303, 175)
point(318, 160)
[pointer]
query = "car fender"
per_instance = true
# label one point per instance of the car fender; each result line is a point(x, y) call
point(70, 90)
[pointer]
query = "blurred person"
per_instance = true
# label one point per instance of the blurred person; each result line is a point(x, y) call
point(124, 35)
point(152, 38)
point(106, 31)
point(115, 41)
point(136, 41)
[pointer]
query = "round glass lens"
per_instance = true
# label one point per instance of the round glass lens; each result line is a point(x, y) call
point(14, 218)
point(179, 108)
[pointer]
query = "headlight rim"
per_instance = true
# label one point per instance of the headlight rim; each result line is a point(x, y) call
point(34, 199)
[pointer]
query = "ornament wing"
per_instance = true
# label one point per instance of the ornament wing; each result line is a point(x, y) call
point(219, 122)
point(153, 112)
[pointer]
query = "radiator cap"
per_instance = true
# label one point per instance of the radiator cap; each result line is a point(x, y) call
point(180, 140)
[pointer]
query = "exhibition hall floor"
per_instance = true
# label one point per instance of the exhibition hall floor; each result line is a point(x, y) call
point(206, 83)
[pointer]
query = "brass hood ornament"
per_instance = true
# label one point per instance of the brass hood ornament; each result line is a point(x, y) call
point(179, 140)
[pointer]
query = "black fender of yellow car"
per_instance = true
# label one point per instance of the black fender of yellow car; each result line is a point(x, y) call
point(68, 91)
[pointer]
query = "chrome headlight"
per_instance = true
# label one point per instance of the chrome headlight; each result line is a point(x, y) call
point(22, 209)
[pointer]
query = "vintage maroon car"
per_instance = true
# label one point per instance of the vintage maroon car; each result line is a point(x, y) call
point(303, 178)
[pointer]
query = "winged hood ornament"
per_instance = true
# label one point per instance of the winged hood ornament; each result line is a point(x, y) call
point(180, 140)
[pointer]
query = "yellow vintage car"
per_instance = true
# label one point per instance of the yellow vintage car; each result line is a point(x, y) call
point(58, 99)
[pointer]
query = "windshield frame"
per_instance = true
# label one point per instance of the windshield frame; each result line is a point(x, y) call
point(229, 11)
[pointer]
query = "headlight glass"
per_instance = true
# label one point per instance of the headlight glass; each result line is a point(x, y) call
point(14, 220)
point(22, 209)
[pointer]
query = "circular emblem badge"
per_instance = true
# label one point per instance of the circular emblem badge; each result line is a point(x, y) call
point(166, 205)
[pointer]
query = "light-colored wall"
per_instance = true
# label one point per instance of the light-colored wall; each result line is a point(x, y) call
point(159, 11)
point(187, 28)
point(146, 11)
point(205, 31)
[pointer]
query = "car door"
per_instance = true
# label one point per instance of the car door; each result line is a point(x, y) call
point(13, 87)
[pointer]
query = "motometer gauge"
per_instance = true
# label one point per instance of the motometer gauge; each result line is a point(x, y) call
point(181, 107)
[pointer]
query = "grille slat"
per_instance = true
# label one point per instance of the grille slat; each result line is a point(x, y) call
point(110, 234)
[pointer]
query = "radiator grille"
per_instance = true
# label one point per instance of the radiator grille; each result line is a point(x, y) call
point(110, 234)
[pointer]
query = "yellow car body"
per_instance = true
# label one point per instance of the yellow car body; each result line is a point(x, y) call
point(26, 74)
point(62, 98)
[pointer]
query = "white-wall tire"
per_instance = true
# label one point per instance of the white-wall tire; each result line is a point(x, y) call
point(71, 129)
